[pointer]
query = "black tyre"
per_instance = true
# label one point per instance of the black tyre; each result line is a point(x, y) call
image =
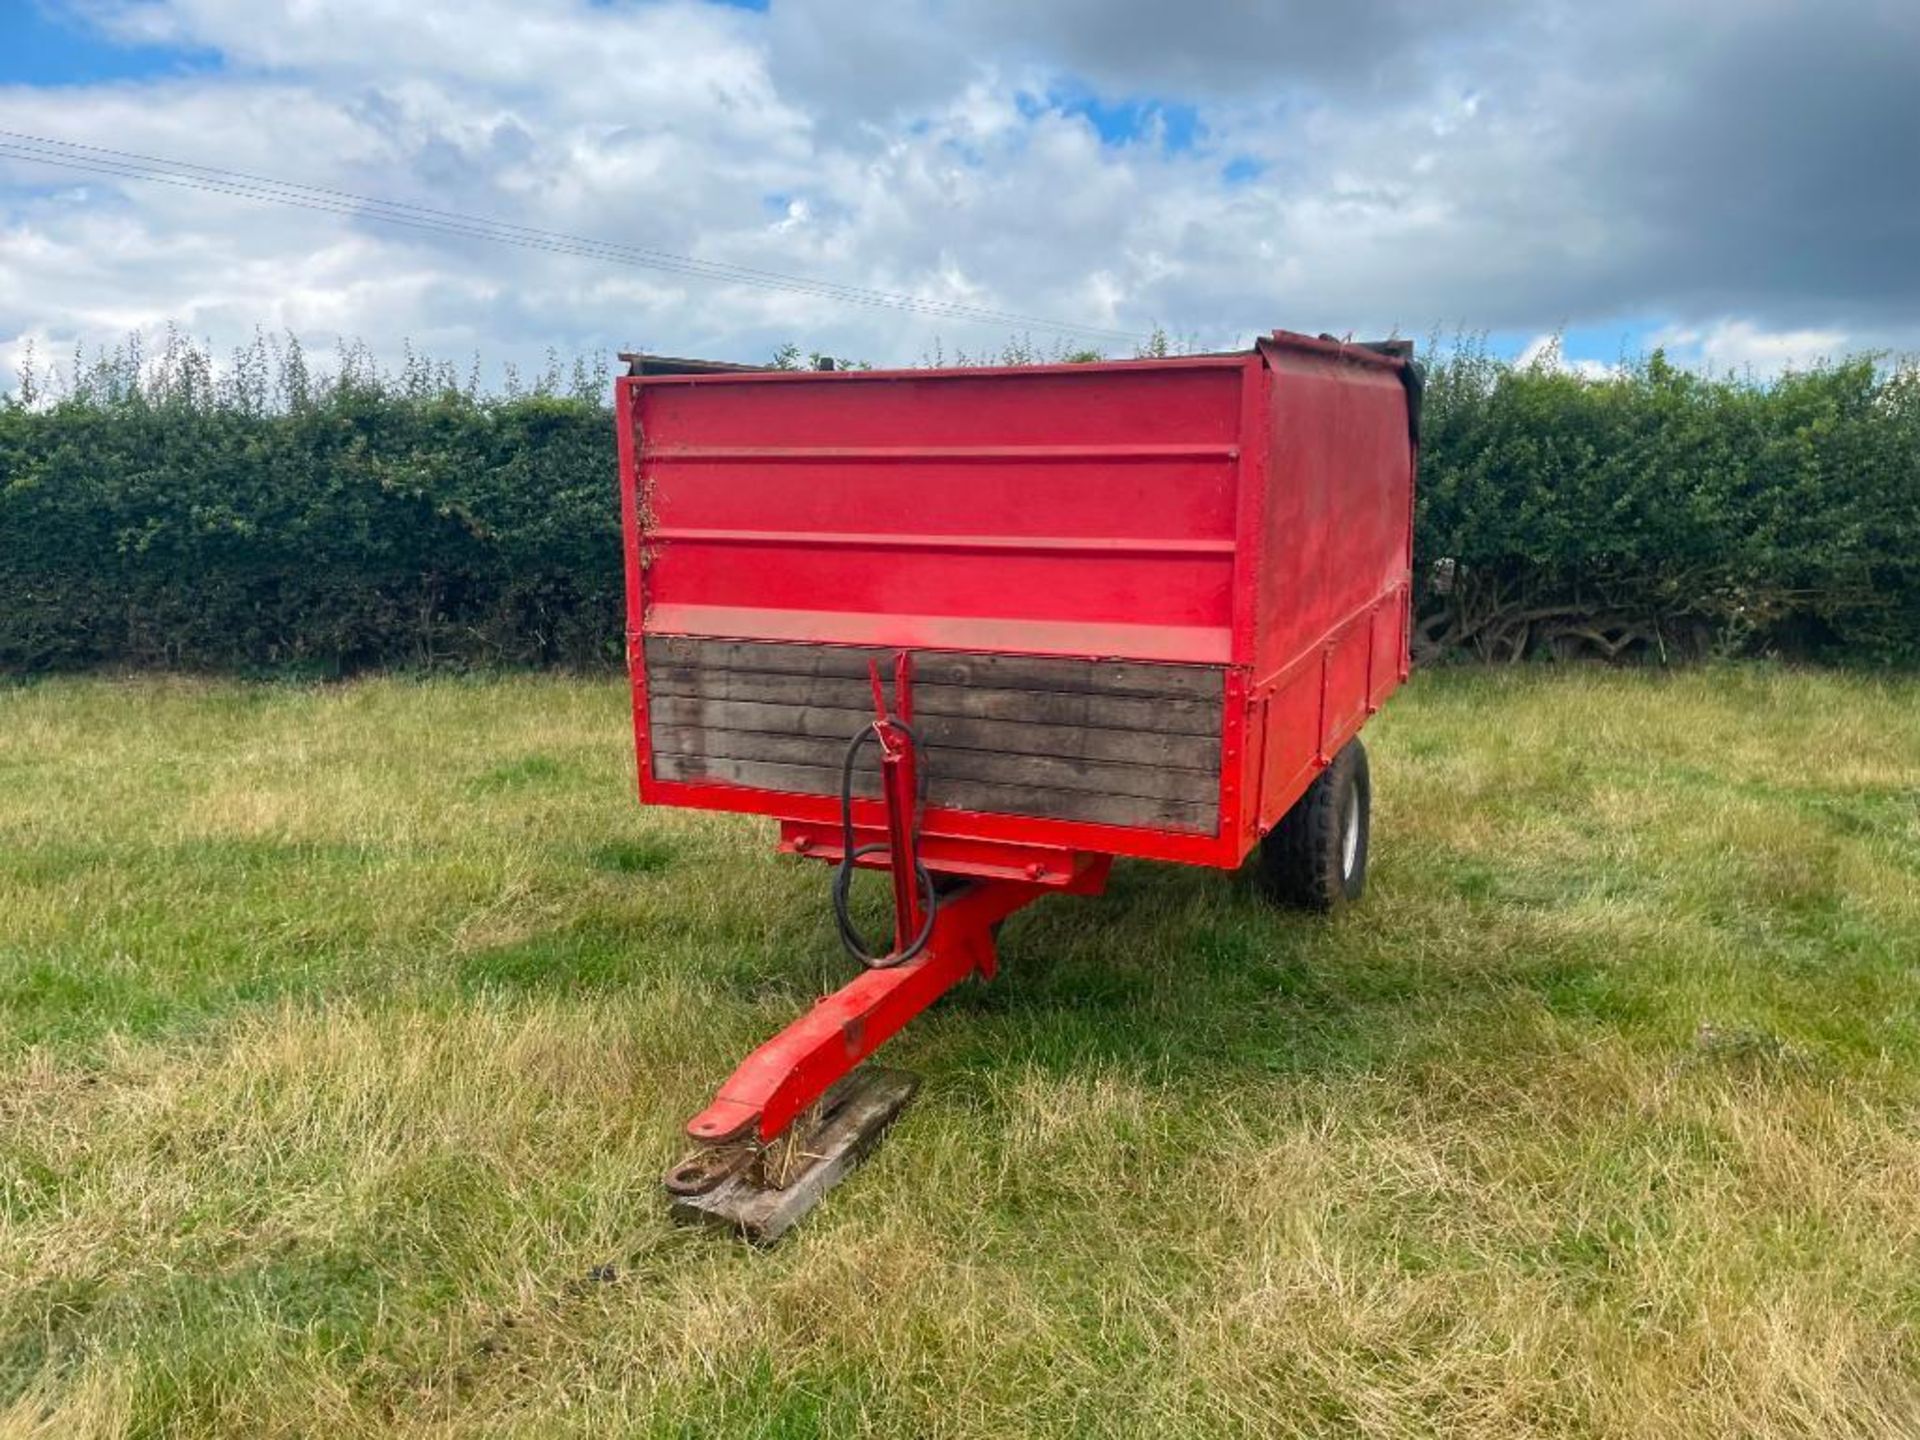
point(1316, 857)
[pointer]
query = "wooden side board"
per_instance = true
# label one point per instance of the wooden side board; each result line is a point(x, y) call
point(1106, 742)
point(941, 667)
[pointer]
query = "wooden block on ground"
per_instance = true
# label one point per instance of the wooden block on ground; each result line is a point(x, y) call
point(854, 1115)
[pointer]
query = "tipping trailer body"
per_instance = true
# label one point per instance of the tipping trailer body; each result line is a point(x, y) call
point(1146, 601)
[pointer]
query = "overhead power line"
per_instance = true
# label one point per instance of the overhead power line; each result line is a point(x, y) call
point(132, 165)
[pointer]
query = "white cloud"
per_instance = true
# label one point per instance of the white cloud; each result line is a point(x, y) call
point(1741, 347)
point(1548, 352)
point(1419, 168)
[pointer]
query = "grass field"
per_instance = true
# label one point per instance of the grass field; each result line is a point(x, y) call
point(345, 1032)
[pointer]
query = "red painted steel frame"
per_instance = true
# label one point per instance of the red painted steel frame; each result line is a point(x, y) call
point(899, 772)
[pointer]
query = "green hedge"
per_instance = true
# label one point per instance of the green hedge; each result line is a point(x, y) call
point(153, 515)
point(328, 527)
point(1662, 513)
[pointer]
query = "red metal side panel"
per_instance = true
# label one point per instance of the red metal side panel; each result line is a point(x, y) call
point(1335, 545)
point(1086, 510)
point(1289, 752)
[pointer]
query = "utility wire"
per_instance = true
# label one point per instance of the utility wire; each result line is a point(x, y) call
point(422, 217)
point(132, 165)
point(417, 218)
point(681, 263)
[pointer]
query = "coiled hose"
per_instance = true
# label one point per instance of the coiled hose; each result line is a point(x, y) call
point(850, 855)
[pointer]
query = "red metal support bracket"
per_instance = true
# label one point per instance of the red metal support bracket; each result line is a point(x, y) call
point(900, 784)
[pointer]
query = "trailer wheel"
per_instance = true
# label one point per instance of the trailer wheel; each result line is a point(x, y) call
point(1316, 857)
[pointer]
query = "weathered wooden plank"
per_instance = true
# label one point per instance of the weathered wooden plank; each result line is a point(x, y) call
point(943, 667)
point(856, 1113)
point(1053, 772)
point(1044, 803)
point(946, 732)
point(1048, 707)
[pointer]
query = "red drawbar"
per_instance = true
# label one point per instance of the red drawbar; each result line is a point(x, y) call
point(795, 1068)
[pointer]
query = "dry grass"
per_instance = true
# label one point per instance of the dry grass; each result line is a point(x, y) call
point(344, 1033)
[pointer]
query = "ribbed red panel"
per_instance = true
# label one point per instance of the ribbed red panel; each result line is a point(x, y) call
point(1079, 512)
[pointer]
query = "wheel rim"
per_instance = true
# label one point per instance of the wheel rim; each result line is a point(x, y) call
point(1350, 832)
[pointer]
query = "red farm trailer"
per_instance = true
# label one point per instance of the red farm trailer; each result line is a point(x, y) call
point(989, 629)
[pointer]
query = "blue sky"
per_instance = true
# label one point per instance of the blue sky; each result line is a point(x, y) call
point(49, 45)
point(1516, 170)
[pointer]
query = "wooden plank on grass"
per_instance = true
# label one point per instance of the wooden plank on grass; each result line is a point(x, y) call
point(857, 1112)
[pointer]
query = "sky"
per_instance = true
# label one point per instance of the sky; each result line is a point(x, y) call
point(1736, 181)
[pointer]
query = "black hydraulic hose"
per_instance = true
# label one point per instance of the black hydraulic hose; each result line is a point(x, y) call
point(850, 855)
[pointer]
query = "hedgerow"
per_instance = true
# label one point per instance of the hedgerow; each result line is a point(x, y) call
point(155, 515)
point(263, 515)
point(1654, 511)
